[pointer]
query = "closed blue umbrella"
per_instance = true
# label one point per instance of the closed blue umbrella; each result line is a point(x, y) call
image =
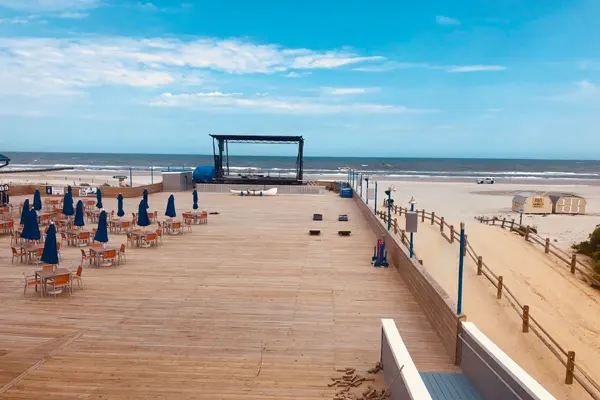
point(99, 199)
point(195, 198)
point(145, 197)
point(102, 232)
point(50, 254)
point(170, 212)
point(70, 190)
point(79, 221)
point(37, 200)
point(120, 211)
point(68, 209)
point(143, 214)
point(25, 211)
point(31, 229)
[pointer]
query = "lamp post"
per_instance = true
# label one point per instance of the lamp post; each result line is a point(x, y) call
point(460, 269)
point(367, 179)
point(391, 189)
point(412, 208)
point(361, 181)
point(375, 212)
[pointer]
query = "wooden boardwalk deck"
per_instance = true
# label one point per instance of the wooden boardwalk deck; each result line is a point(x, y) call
point(249, 306)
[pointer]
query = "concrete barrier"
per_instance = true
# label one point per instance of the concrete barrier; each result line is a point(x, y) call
point(399, 371)
point(494, 374)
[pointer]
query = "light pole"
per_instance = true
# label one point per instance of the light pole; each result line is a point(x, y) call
point(391, 189)
point(412, 208)
point(460, 268)
point(361, 181)
point(367, 179)
point(375, 198)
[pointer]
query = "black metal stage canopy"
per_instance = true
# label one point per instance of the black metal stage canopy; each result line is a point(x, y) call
point(221, 144)
point(4, 161)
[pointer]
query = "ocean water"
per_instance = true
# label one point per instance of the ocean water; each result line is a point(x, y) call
point(315, 167)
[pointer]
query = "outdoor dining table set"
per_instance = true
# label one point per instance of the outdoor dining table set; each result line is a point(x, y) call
point(78, 237)
point(57, 278)
point(173, 227)
point(142, 238)
point(195, 217)
point(119, 225)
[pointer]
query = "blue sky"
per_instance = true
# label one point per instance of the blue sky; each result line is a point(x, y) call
point(517, 79)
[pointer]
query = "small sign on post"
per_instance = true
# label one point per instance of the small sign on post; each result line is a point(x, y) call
point(412, 220)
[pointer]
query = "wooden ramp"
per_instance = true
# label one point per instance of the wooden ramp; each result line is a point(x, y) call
point(248, 306)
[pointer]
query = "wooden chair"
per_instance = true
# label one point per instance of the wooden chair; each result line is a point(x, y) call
point(159, 235)
point(125, 226)
point(97, 245)
point(63, 281)
point(58, 250)
point(130, 239)
point(176, 228)
point(18, 254)
point(64, 238)
point(187, 224)
point(15, 238)
point(87, 257)
point(48, 267)
point(31, 281)
point(122, 253)
point(110, 256)
point(38, 256)
point(77, 277)
point(204, 217)
point(83, 239)
point(148, 240)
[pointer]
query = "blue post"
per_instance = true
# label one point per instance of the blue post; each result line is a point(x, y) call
point(460, 268)
point(367, 192)
point(375, 198)
point(389, 210)
point(152, 175)
point(130, 177)
point(412, 208)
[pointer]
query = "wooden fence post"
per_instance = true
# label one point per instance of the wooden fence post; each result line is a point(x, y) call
point(451, 233)
point(547, 248)
point(479, 265)
point(570, 367)
point(499, 293)
point(573, 263)
point(400, 211)
point(423, 216)
point(395, 225)
point(525, 319)
point(432, 217)
point(494, 221)
point(527, 233)
point(503, 222)
point(512, 224)
point(442, 225)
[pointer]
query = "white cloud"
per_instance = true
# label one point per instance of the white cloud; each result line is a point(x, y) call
point(286, 105)
point(147, 6)
point(21, 20)
point(391, 66)
point(475, 68)
point(37, 65)
point(294, 74)
point(442, 20)
point(49, 5)
point(73, 15)
point(347, 91)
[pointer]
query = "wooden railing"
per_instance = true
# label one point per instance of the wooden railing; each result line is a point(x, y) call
point(571, 260)
point(529, 323)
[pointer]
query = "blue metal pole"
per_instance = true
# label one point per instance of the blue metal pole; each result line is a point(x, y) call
point(367, 192)
point(389, 210)
point(412, 208)
point(375, 198)
point(130, 177)
point(460, 269)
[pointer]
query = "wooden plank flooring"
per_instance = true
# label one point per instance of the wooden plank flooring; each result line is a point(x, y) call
point(247, 306)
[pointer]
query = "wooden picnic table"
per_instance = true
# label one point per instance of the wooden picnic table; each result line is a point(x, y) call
point(31, 249)
point(168, 224)
point(100, 251)
point(118, 224)
point(73, 236)
point(44, 275)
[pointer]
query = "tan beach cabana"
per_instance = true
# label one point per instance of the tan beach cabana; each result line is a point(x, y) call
point(567, 203)
point(532, 203)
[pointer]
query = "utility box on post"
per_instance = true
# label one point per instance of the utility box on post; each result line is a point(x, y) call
point(412, 220)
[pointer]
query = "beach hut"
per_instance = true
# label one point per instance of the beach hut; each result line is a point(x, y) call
point(567, 203)
point(532, 203)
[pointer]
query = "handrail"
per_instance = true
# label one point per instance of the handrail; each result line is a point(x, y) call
point(571, 260)
point(573, 370)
